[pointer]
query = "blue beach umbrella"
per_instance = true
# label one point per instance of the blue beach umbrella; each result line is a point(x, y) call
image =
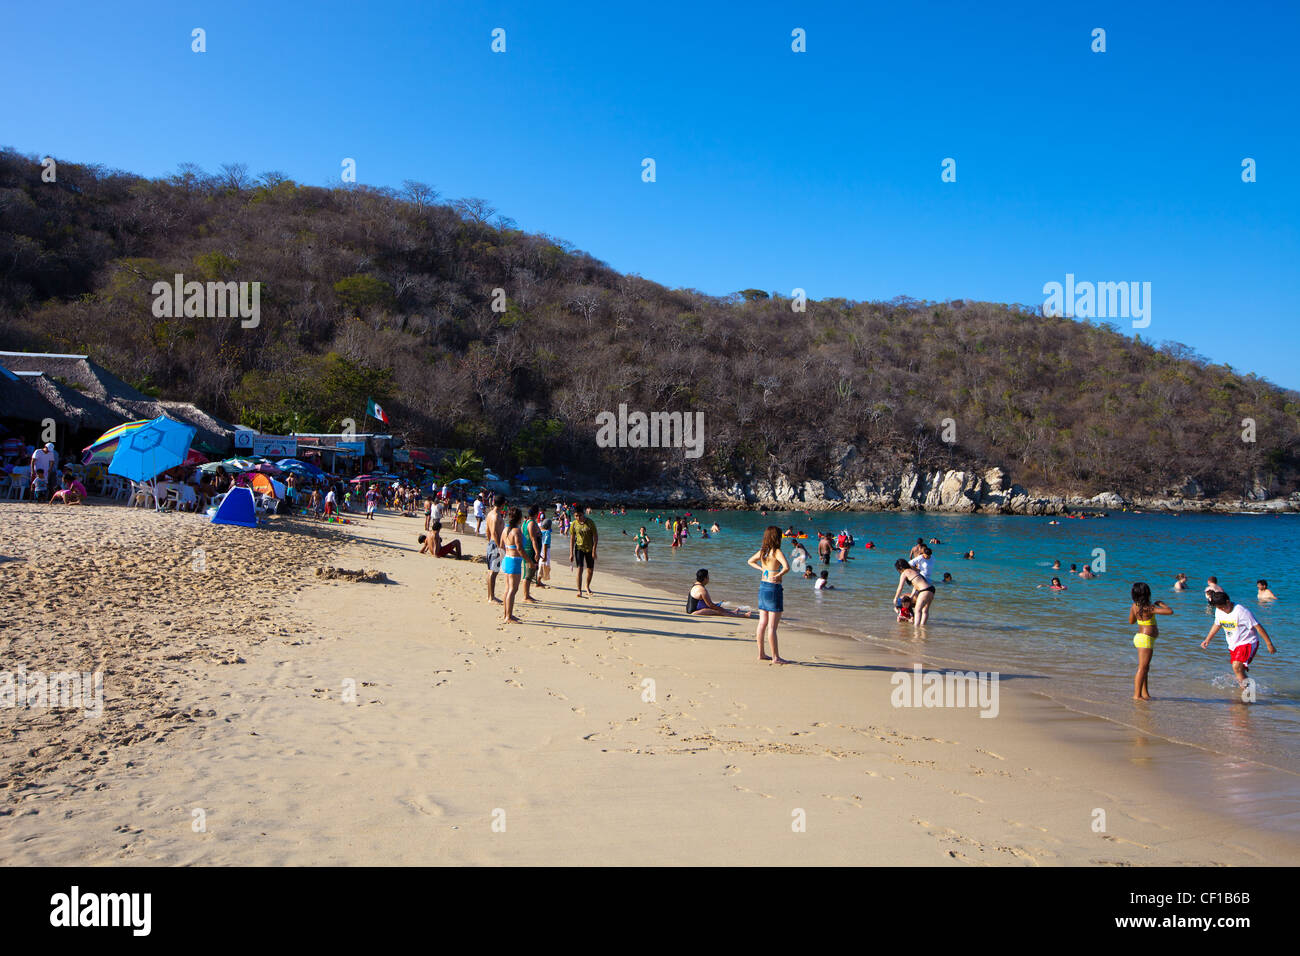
point(299, 467)
point(148, 451)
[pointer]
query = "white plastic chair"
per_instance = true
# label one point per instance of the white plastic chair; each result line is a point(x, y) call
point(17, 487)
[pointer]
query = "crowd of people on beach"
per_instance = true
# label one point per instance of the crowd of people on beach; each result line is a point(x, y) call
point(519, 546)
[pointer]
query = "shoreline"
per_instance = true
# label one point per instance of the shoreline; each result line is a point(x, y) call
point(1039, 506)
point(456, 717)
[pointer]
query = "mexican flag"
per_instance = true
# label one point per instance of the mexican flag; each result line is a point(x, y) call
point(375, 410)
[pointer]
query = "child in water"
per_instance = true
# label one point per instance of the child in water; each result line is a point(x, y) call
point(1143, 613)
point(642, 545)
point(905, 608)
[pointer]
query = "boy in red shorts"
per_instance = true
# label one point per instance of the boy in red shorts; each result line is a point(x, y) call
point(1241, 631)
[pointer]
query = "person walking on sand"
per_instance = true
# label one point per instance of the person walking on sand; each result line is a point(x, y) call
point(480, 514)
point(582, 546)
point(1142, 612)
point(496, 524)
point(922, 590)
point(372, 502)
point(770, 561)
point(512, 561)
point(1240, 630)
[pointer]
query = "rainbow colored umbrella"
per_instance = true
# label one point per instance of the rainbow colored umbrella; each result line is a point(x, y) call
point(101, 450)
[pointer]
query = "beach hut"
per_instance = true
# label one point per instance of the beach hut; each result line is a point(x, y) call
point(237, 508)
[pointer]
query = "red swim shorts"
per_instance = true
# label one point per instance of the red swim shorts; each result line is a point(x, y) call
point(1245, 653)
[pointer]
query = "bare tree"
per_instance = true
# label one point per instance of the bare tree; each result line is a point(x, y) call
point(477, 211)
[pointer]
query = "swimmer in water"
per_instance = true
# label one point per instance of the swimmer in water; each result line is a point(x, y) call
point(1263, 592)
point(1056, 585)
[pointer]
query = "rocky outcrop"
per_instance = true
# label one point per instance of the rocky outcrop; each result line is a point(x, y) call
point(951, 491)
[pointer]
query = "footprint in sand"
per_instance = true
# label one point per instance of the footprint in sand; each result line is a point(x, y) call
point(425, 805)
point(1115, 839)
point(853, 800)
point(736, 786)
point(514, 683)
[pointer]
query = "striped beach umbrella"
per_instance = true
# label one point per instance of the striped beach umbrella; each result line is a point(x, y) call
point(102, 448)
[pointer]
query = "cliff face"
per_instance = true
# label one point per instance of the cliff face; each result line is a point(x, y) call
point(942, 491)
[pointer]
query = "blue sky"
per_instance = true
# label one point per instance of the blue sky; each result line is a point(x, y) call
point(775, 170)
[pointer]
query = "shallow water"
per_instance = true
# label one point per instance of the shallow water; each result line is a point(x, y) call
point(992, 617)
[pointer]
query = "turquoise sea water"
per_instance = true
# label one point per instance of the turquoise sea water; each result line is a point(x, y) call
point(1077, 642)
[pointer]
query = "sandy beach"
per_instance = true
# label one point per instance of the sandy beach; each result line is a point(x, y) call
point(255, 713)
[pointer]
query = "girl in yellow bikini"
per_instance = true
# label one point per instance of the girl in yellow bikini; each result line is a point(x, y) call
point(1143, 614)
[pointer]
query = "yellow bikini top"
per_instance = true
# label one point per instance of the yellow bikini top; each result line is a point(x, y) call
point(1150, 622)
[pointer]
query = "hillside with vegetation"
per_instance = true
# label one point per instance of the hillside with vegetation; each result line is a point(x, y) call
point(388, 294)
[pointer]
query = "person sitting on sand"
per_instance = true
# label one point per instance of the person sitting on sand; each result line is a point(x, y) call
point(73, 492)
point(700, 604)
point(1262, 591)
point(1056, 585)
point(432, 544)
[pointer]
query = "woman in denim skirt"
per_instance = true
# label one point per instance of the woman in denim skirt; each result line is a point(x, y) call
point(770, 560)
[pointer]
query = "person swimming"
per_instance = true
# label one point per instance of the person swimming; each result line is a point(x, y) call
point(1056, 585)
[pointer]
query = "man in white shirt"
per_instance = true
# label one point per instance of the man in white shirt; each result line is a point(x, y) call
point(1241, 631)
point(44, 459)
point(480, 514)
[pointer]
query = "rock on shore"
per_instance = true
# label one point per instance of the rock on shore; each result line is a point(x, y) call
point(952, 491)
